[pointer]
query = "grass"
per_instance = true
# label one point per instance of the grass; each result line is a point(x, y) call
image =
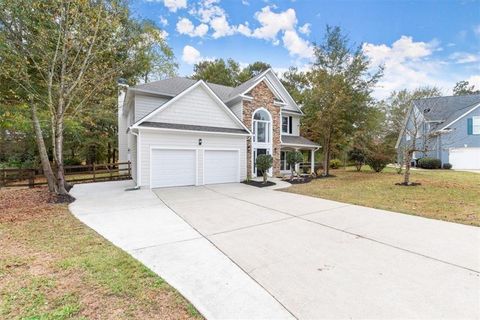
point(54, 267)
point(443, 194)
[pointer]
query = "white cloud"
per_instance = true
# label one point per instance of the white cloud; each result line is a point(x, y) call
point(245, 3)
point(185, 26)
point(296, 45)
point(221, 27)
point(163, 21)
point(475, 80)
point(411, 64)
point(272, 23)
point(305, 29)
point(244, 29)
point(191, 55)
point(174, 5)
point(464, 57)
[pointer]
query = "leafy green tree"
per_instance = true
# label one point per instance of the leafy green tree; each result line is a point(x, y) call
point(217, 71)
point(340, 92)
point(227, 73)
point(293, 158)
point(463, 88)
point(251, 71)
point(63, 57)
point(296, 83)
point(264, 163)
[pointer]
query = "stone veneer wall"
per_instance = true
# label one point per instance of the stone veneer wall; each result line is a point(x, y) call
point(263, 98)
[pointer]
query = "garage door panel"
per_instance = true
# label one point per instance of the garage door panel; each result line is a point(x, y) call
point(465, 158)
point(172, 167)
point(221, 166)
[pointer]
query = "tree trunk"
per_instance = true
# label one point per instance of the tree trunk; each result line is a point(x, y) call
point(326, 155)
point(42, 151)
point(61, 182)
point(265, 176)
point(406, 175)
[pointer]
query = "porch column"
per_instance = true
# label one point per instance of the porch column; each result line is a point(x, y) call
point(297, 165)
point(312, 161)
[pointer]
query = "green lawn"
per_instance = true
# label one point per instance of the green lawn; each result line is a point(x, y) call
point(443, 194)
point(54, 267)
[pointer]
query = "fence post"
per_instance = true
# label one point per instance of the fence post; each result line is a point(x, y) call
point(31, 178)
point(94, 172)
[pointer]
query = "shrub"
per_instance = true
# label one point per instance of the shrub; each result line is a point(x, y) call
point(378, 162)
point(335, 163)
point(358, 157)
point(293, 158)
point(429, 163)
point(447, 166)
point(263, 163)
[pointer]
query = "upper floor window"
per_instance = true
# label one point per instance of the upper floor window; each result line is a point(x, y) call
point(476, 125)
point(262, 124)
point(287, 124)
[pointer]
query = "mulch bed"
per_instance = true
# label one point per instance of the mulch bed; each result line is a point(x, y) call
point(412, 184)
point(259, 184)
point(299, 180)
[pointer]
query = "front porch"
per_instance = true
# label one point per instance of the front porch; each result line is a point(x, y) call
point(300, 144)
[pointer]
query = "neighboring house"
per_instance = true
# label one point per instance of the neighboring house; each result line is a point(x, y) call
point(180, 131)
point(449, 130)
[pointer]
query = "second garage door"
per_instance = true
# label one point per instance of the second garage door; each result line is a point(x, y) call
point(173, 167)
point(221, 166)
point(465, 158)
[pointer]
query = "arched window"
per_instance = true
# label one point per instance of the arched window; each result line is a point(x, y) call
point(262, 123)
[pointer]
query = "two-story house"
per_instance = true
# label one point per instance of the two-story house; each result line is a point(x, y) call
point(179, 131)
point(446, 128)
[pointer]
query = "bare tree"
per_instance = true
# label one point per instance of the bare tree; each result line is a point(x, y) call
point(418, 134)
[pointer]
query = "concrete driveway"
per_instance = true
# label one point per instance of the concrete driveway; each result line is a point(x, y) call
point(325, 259)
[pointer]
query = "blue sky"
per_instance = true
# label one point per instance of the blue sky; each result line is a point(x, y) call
point(419, 42)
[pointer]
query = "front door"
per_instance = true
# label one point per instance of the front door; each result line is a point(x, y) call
point(256, 153)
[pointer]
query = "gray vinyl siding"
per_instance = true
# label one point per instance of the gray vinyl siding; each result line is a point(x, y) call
point(459, 137)
point(188, 140)
point(144, 104)
point(290, 103)
point(132, 144)
point(197, 107)
point(237, 109)
point(440, 145)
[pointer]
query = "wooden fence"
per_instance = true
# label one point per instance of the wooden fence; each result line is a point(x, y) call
point(74, 174)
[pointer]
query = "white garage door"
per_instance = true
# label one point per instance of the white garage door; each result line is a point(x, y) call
point(465, 158)
point(221, 166)
point(172, 167)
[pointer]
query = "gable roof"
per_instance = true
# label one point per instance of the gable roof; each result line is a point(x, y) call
point(445, 110)
point(174, 86)
point(185, 92)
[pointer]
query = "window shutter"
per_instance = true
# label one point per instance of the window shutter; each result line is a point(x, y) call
point(290, 125)
point(470, 126)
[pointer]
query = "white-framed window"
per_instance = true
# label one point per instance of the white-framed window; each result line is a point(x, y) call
point(476, 125)
point(261, 126)
point(286, 124)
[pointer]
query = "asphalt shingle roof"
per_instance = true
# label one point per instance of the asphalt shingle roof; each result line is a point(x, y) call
point(298, 140)
point(174, 86)
point(446, 109)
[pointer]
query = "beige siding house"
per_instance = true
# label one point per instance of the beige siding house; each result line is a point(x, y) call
point(181, 131)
